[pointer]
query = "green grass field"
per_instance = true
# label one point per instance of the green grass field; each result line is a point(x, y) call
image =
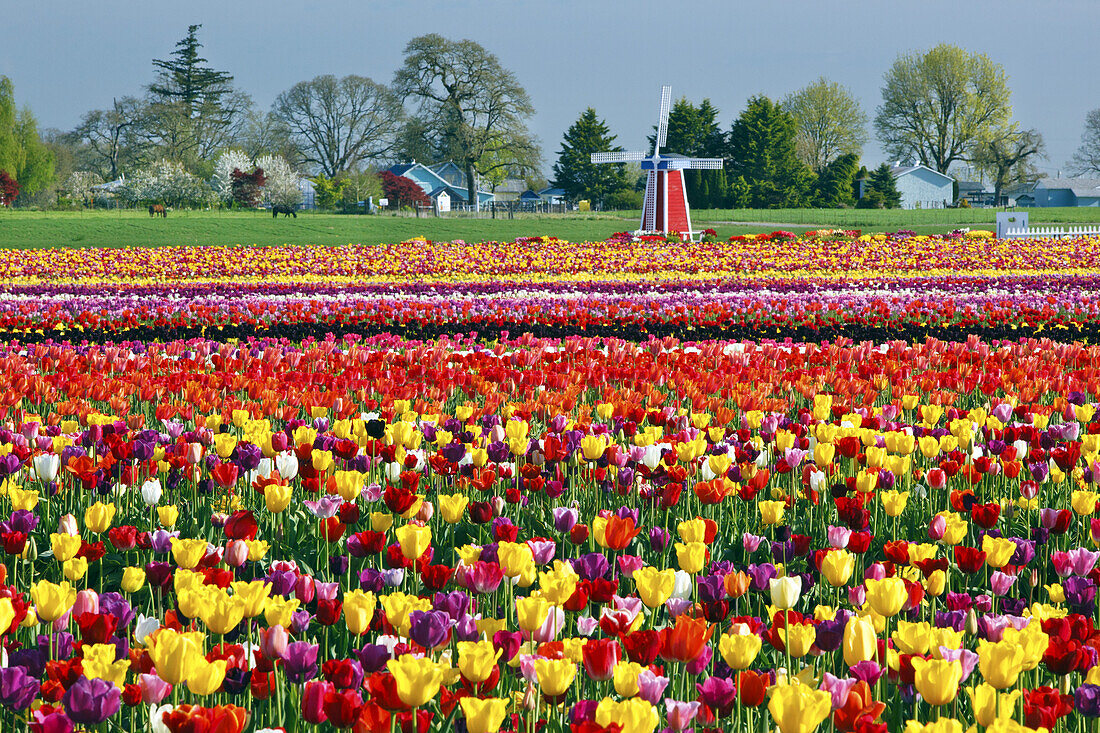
point(21, 229)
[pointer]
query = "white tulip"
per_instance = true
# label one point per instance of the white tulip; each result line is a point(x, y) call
point(47, 466)
point(151, 492)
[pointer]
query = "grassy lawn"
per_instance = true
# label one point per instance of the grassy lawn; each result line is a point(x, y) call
point(19, 229)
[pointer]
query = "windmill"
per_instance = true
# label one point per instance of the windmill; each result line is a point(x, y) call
point(665, 207)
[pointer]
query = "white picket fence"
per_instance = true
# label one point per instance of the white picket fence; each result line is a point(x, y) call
point(1051, 232)
point(1014, 225)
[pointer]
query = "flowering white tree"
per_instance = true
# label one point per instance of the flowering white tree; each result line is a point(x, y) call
point(222, 180)
point(166, 182)
point(79, 185)
point(281, 188)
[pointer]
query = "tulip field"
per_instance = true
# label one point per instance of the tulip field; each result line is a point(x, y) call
point(836, 482)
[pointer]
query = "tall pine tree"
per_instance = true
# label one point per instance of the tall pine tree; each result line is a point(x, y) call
point(762, 154)
point(193, 108)
point(833, 188)
point(576, 174)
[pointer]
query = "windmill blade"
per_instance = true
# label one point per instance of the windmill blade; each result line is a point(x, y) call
point(623, 157)
point(662, 117)
point(702, 164)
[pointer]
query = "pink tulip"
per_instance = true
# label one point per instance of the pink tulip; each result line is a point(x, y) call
point(153, 689)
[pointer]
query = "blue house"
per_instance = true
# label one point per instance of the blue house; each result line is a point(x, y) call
point(1067, 192)
point(433, 183)
point(552, 195)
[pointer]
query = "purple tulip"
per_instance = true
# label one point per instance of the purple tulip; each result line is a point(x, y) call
point(18, 688)
point(1087, 700)
point(718, 693)
point(429, 629)
point(90, 702)
point(300, 661)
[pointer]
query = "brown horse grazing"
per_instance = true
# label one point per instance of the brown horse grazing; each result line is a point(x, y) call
point(158, 210)
point(284, 210)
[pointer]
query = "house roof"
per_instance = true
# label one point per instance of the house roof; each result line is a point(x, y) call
point(512, 185)
point(971, 186)
point(528, 194)
point(401, 168)
point(903, 170)
point(1087, 187)
point(552, 191)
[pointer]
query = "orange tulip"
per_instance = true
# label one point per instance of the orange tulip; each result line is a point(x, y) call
point(684, 641)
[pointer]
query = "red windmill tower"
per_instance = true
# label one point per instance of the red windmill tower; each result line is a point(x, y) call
point(665, 207)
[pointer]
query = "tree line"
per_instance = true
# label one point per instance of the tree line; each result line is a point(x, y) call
point(452, 100)
point(943, 108)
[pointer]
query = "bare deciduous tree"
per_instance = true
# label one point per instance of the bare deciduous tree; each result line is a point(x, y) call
point(338, 123)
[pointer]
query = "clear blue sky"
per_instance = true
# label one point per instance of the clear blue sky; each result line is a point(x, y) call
point(66, 57)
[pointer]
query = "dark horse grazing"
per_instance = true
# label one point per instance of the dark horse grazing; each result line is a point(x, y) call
point(158, 210)
point(284, 210)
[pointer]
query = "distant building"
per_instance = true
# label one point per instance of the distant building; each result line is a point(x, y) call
point(530, 197)
point(437, 179)
point(923, 188)
point(509, 189)
point(309, 193)
point(552, 195)
point(975, 193)
point(1065, 192)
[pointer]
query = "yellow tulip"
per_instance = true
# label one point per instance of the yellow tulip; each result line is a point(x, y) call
point(417, 680)
point(531, 612)
point(860, 641)
point(477, 659)
point(1084, 502)
point(989, 705)
point(65, 546)
point(1000, 663)
point(453, 507)
point(654, 586)
point(279, 611)
point(414, 540)
point(998, 550)
point(224, 613)
point(937, 680)
point(188, 553)
point(349, 484)
point(168, 515)
point(837, 566)
point(943, 725)
point(593, 447)
point(75, 569)
point(99, 664)
point(558, 585)
point(52, 601)
point(741, 649)
point(799, 708)
point(555, 675)
point(206, 677)
point(176, 655)
point(887, 596)
point(358, 611)
point(133, 579)
point(913, 638)
point(515, 558)
point(798, 639)
point(893, 502)
point(634, 715)
point(483, 715)
point(380, 521)
point(254, 594)
point(277, 497)
point(771, 512)
point(98, 517)
point(691, 556)
point(625, 678)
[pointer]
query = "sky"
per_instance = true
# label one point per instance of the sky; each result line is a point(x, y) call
point(69, 56)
